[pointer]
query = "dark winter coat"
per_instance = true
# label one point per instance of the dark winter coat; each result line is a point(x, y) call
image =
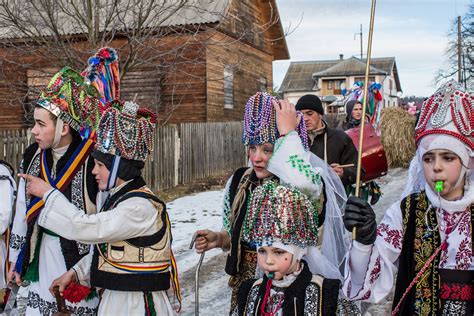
point(340, 149)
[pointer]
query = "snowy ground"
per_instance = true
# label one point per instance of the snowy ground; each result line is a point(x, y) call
point(203, 210)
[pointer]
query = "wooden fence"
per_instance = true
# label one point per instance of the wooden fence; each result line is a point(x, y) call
point(183, 153)
point(13, 144)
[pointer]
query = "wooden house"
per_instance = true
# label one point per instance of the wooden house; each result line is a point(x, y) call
point(211, 67)
point(327, 79)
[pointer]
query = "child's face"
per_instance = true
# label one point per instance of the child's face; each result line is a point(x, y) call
point(44, 128)
point(444, 165)
point(276, 260)
point(259, 155)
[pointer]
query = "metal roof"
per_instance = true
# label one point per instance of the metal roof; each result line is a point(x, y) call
point(301, 75)
point(127, 13)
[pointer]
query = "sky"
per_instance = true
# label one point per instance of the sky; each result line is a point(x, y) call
point(413, 31)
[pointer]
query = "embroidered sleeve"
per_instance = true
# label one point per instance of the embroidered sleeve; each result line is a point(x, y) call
point(227, 208)
point(18, 234)
point(305, 169)
point(290, 162)
point(131, 218)
point(370, 270)
point(16, 241)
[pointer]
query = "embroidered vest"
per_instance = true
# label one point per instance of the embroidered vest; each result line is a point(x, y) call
point(419, 243)
point(307, 295)
point(79, 192)
point(137, 264)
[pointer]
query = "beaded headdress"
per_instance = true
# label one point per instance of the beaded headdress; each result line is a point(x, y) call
point(260, 124)
point(280, 213)
point(126, 131)
point(103, 73)
point(449, 111)
point(70, 99)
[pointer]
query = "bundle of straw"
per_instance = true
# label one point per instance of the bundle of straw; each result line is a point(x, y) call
point(398, 136)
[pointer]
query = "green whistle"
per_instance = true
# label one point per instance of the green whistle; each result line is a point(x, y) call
point(271, 275)
point(439, 186)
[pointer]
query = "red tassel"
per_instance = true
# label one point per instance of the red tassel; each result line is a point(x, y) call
point(76, 292)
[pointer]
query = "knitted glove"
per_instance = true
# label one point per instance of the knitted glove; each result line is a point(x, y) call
point(359, 214)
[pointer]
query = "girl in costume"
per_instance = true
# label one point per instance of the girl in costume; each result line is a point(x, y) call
point(283, 222)
point(424, 243)
point(277, 148)
point(131, 258)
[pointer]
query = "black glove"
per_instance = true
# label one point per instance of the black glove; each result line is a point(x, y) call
point(359, 214)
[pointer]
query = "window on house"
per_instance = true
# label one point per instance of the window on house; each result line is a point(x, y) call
point(329, 84)
point(228, 87)
point(262, 84)
point(337, 86)
point(391, 87)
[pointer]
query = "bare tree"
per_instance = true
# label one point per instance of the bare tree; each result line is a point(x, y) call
point(467, 51)
point(44, 35)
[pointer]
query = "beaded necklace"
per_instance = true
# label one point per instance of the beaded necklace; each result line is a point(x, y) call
point(277, 212)
point(128, 133)
point(260, 124)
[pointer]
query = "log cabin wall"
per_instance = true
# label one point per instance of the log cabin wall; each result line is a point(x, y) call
point(252, 72)
point(12, 93)
point(188, 83)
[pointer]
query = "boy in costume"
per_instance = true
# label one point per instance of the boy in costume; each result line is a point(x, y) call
point(131, 259)
point(283, 222)
point(424, 242)
point(64, 113)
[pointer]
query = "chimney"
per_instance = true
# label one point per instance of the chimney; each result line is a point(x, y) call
point(341, 56)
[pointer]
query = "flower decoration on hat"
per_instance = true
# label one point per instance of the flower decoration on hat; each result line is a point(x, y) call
point(281, 213)
point(260, 124)
point(127, 131)
point(103, 73)
point(70, 99)
point(449, 111)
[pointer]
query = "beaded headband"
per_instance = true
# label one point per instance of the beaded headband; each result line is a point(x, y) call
point(280, 213)
point(449, 111)
point(103, 73)
point(126, 131)
point(71, 100)
point(260, 124)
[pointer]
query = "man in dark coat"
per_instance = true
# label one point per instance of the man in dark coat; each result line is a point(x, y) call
point(332, 145)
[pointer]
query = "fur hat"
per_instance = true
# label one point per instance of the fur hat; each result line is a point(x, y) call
point(310, 102)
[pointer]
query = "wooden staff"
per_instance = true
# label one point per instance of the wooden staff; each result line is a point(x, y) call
point(364, 105)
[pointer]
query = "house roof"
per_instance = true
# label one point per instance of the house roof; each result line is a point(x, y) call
point(127, 16)
point(162, 13)
point(301, 75)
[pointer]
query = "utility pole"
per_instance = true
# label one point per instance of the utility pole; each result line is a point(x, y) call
point(360, 34)
point(459, 51)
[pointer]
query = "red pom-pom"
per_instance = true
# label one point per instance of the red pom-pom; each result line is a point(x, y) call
point(76, 292)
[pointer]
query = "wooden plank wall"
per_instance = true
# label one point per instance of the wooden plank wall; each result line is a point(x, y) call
point(183, 153)
point(249, 66)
